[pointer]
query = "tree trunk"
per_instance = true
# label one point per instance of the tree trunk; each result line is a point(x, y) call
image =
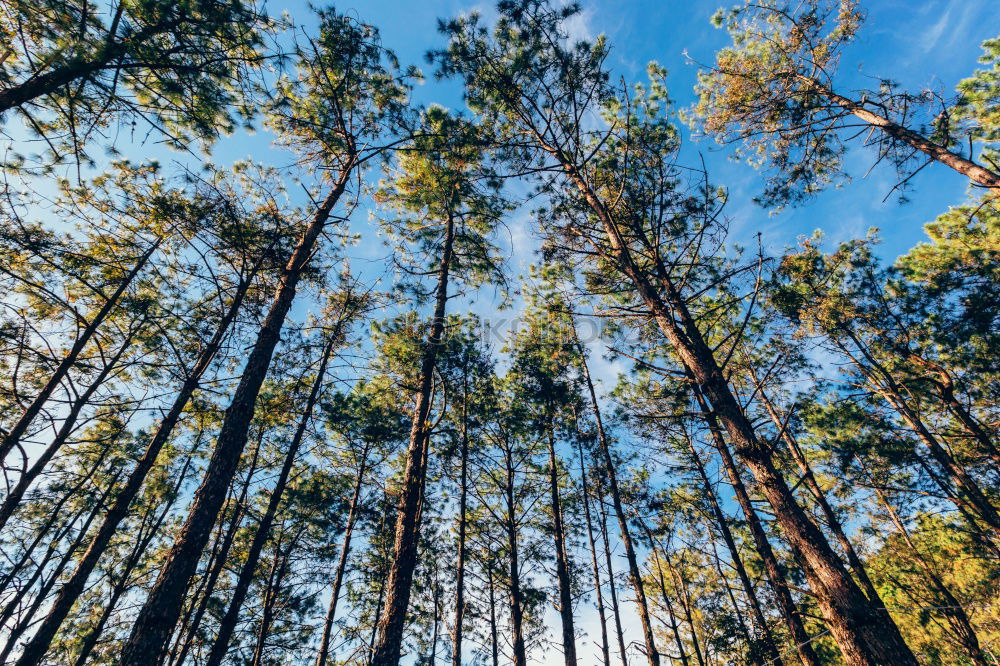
point(338, 579)
point(817, 492)
point(771, 650)
point(219, 555)
point(228, 623)
point(686, 604)
point(46, 528)
point(865, 636)
point(377, 612)
point(667, 602)
point(494, 646)
point(80, 68)
point(950, 606)
point(562, 560)
point(16, 493)
point(70, 591)
point(274, 577)
point(775, 575)
point(635, 577)
point(752, 653)
point(605, 648)
point(456, 654)
point(514, 571)
point(400, 577)
point(615, 610)
point(24, 587)
point(158, 615)
point(89, 641)
point(884, 384)
point(20, 428)
point(974, 172)
point(26, 620)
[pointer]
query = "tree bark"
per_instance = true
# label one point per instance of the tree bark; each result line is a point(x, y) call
point(228, 623)
point(605, 648)
point(400, 577)
point(562, 559)
point(159, 613)
point(635, 577)
point(70, 591)
point(514, 568)
point(494, 645)
point(219, 554)
point(775, 576)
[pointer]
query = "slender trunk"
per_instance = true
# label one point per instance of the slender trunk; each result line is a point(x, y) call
point(377, 612)
point(26, 619)
point(71, 590)
point(562, 560)
point(494, 646)
point(228, 623)
point(817, 492)
point(884, 384)
point(752, 651)
point(400, 579)
point(24, 586)
point(456, 654)
point(273, 582)
point(605, 649)
point(865, 636)
point(964, 483)
point(687, 605)
point(775, 576)
point(46, 528)
point(667, 601)
point(89, 641)
point(20, 428)
point(945, 385)
point(158, 615)
point(971, 170)
point(436, 594)
point(345, 549)
point(635, 577)
point(770, 649)
point(514, 572)
point(969, 422)
point(615, 609)
point(16, 493)
point(219, 555)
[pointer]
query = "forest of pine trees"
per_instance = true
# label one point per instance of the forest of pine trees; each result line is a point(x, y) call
point(494, 378)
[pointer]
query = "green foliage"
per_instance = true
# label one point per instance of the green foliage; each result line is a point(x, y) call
point(73, 69)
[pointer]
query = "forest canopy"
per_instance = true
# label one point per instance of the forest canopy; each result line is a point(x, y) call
point(654, 334)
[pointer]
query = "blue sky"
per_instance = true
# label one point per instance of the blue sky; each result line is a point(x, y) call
point(919, 43)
